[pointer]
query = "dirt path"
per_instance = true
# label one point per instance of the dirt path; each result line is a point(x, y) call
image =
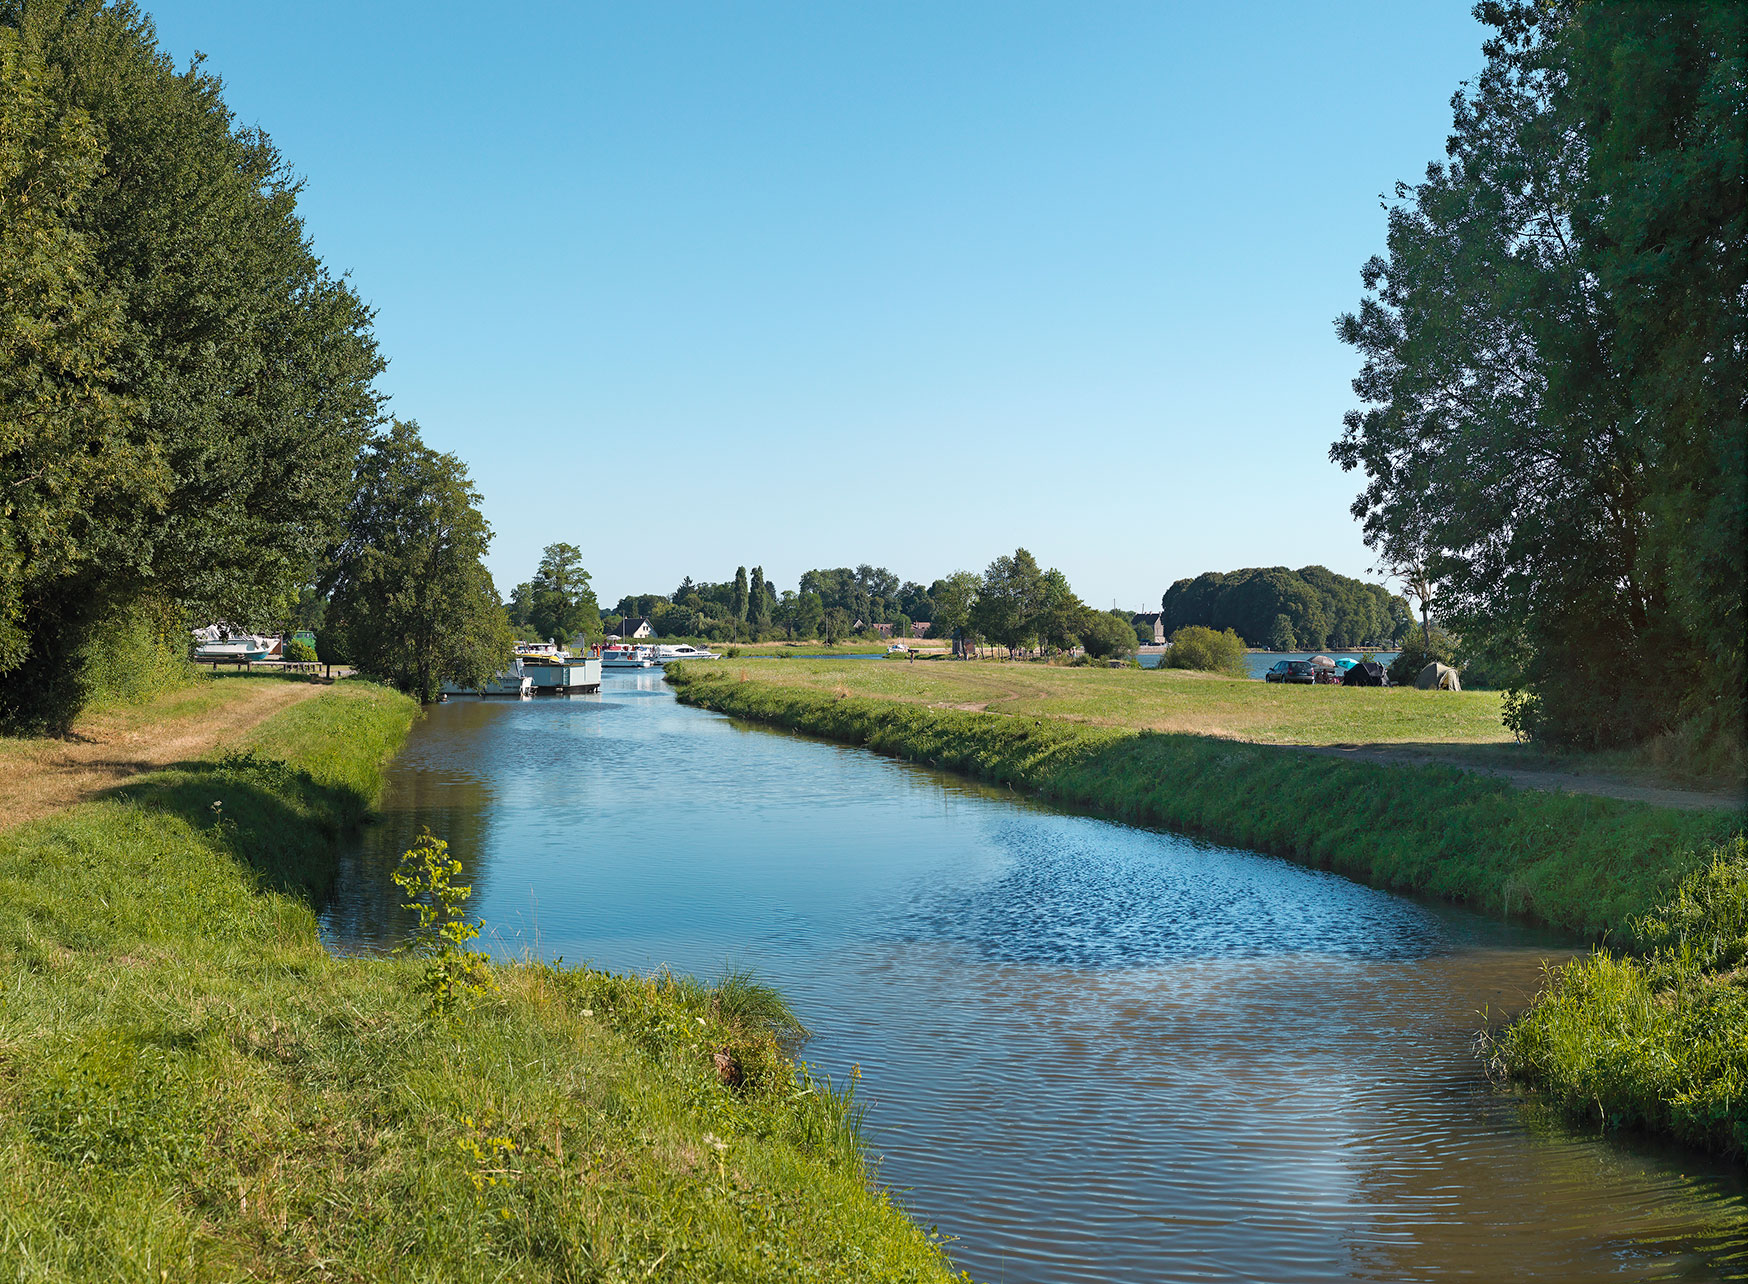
point(1548, 778)
point(42, 776)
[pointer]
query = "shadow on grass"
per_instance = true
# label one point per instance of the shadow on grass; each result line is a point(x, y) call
point(278, 821)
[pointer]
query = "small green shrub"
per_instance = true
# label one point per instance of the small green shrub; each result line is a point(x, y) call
point(1195, 647)
point(297, 651)
point(455, 974)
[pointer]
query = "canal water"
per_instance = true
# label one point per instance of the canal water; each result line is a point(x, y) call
point(1093, 1052)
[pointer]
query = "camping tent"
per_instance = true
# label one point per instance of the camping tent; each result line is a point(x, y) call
point(1438, 677)
point(1367, 673)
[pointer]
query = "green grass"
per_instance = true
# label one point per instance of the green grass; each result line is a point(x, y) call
point(191, 1087)
point(1656, 1037)
point(1568, 860)
point(1157, 700)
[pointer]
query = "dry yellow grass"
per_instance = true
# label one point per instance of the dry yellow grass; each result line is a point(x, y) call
point(108, 745)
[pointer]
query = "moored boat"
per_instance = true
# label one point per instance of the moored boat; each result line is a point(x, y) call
point(627, 657)
point(682, 651)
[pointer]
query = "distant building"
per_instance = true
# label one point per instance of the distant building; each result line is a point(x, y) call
point(1151, 620)
point(636, 627)
point(919, 628)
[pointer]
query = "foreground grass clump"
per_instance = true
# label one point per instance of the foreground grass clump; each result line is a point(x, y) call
point(1572, 861)
point(1655, 1038)
point(192, 1088)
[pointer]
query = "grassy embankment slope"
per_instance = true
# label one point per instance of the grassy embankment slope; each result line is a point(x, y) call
point(192, 1088)
point(1587, 864)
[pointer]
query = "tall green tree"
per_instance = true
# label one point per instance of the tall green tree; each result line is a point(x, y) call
point(185, 387)
point(409, 588)
point(1554, 350)
point(740, 595)
point(759, 607)
point(561, 603)
point(953, 598)
point(809, 614)
point(1010, 602)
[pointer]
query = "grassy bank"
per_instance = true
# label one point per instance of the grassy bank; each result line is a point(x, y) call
point(192, 1088)
point(1570, 861)
point(1657, 1040)
point(1654, 1036)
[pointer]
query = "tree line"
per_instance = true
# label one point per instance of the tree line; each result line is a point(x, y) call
point(1555, 347)
point(1270, 606)
point(1014, 604)
point(189, 424)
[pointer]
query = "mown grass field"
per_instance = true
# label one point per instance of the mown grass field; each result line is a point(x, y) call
point(192, 1088)
point(1159, 700)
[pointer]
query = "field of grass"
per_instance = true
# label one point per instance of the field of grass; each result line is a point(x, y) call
point(191, 1087)
point(1162, 700)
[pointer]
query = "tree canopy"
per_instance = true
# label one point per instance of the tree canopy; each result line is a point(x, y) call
point(1554, 350)
point(408, 587)
point(560, 603)
point(184, 388)
point(1318, 607)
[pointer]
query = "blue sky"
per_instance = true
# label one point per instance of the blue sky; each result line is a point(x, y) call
point(701, 285)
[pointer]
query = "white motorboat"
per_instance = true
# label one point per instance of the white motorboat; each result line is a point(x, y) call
point(212, 644)
point(682, 651)
point(628, 657)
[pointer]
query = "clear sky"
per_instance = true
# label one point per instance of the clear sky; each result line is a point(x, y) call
point(698, 285)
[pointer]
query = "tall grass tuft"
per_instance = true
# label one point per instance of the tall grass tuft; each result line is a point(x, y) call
point(1655, 1037)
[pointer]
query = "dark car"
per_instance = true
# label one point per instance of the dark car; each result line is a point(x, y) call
point(1291, 671)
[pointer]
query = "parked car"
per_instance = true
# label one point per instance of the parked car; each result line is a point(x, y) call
point(1291, 671)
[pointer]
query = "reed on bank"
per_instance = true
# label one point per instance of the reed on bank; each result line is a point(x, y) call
point(191, 1087)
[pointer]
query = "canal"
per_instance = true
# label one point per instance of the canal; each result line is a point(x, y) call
point(1092, 1052)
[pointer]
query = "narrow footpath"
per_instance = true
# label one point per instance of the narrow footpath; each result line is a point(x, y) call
point(40, 776)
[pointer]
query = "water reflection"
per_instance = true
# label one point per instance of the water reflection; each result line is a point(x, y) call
point(1095, 1053)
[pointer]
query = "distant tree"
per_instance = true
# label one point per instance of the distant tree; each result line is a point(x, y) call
point(1195, 647)
point(1010, 602)
point(408, 586)
point(1107, 636)
point(741, 595)
point(1281, 636)
point(759, 602)
point(1060, 616)
point(953, 599)
point(562, 604)
point(900, 623)
point(835, 625)
point(809, 616)
point(520, 604)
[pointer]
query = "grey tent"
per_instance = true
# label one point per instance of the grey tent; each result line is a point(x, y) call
point(1367, 673)
point(1438, 677)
